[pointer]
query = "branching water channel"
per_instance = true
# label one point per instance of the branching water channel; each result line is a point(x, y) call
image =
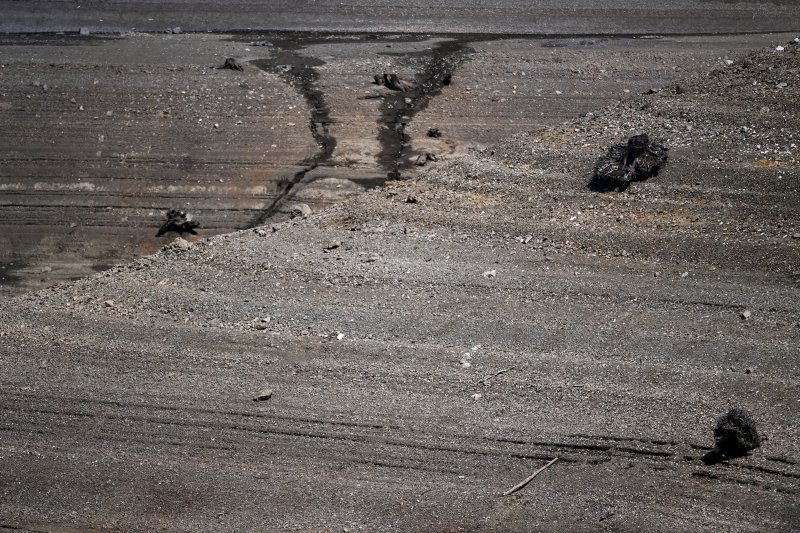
point(434, 68)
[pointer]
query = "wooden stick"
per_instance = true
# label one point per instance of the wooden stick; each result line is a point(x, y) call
point(487, 378)
point(528, 479)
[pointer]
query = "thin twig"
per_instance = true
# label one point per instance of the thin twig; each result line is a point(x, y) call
point(527, 480)
point(487, 378)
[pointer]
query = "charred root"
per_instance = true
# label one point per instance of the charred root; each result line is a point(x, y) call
point(231, 64)
point(735, 434)
point(636, 160)
point(179, 222)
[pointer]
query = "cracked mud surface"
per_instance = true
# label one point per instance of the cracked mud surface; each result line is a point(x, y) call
point(603, 329)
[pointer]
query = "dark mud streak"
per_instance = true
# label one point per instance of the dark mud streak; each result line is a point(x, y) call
point(299, 71)
point(396, 114)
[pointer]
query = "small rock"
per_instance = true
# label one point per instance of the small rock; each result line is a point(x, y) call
point(434, 132)
point(73, 225)
point(411, 200)
point(180, 244)
point(261, 323)
point(779, 48)
point(109, 303)
point(84, 31)
point(490, 274)
point(263, 395)
point(332, 245)
point(476, 396)
point(260, 232)
point(177, 30)
point(339, 336)
point(685, 275)
point(746, 314)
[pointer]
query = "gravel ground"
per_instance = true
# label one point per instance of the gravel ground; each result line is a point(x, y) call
point(430, 343)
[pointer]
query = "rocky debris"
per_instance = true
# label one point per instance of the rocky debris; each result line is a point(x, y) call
point(411, 199)
point(179, 244)
point(261, 323)
point(231, 64)
point(434, 132)
point(299, 211)
point(423, 159)
point(746, 314)
point(332, 245)
point(178, 221)
point(263, 395)
point(84, 31)
point(260, 43)
point(735, 434)
point(175, 31)
point(636, 160)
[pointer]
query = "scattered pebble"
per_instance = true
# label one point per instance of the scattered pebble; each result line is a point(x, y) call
point(261, 323)
point(746, 314)
point(263, 395)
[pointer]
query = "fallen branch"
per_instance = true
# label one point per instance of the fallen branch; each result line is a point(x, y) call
point(527, 480)
point(487, 378)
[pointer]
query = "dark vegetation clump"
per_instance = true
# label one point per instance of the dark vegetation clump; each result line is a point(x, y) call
point(179, 222)
point(735, 434)
point(636, 160)
point(231, 64)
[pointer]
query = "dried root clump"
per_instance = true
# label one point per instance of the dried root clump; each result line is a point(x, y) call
point(735, 434)
point(231, 64)
point(636, 160)
point(179, 222)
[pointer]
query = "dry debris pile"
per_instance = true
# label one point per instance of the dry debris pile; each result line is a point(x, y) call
point(636, 160)
point(735, 435)
point(179, 222)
